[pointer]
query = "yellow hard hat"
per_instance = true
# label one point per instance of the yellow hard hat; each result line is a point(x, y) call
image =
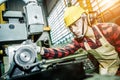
point(72, 14)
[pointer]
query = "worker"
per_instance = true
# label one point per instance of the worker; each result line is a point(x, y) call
point(102, 40)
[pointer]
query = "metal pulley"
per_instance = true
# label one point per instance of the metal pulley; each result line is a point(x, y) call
point(24, 56)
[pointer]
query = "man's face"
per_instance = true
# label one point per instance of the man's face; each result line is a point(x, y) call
point(76, 28)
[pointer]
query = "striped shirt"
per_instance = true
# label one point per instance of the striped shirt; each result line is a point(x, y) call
point(110, 31)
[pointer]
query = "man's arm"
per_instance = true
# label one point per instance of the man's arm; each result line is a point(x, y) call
point(61, 52)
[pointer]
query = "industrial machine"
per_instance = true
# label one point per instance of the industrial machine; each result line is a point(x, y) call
point(21, 23)
point(24, 64)
point(15, 34)
point(23, 59)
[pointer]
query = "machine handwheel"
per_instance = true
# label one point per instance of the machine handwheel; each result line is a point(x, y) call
point(25, 55)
